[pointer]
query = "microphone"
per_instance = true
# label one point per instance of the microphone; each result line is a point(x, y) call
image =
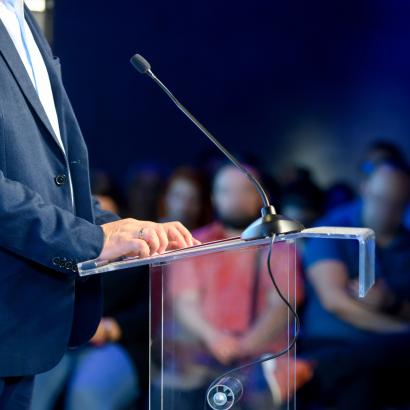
point(270, 223)
point(224, 394)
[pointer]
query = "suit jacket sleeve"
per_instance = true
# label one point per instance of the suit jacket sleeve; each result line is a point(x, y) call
point(42, 232)
point(102, 216)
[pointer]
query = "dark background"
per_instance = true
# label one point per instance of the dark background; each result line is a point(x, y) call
point(306, 82)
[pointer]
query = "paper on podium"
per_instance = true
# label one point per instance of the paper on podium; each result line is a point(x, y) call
point(364, 236)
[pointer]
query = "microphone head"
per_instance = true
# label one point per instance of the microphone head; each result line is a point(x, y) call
point(140, 63)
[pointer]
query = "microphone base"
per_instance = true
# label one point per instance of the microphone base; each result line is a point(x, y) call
point(269, 225)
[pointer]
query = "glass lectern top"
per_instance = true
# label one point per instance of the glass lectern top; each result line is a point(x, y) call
point(364, 236)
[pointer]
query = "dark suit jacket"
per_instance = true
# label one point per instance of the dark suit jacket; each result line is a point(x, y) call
point(44, 305)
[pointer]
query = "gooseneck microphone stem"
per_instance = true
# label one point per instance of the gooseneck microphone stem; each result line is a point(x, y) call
point(226, 391)
point(270, 223)
point(208, 134)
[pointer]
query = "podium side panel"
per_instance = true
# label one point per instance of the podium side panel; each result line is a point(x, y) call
point(212, 314)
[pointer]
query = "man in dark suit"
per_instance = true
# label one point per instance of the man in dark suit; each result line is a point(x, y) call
point(48, 219)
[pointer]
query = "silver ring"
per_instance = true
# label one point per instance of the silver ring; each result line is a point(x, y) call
point(141, 233)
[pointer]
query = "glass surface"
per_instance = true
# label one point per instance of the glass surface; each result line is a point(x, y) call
point(214, 308)
point(364, 236)
point(213, 313)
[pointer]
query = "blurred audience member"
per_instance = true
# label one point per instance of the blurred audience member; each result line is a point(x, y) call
point(338, 194)
point(106, 192)
point(381, 149)
point(209, 161)
point(143, 191)
point(227, 306)
point(293, 173)
point(186, 199)
point(360, 346)
point(302, 199)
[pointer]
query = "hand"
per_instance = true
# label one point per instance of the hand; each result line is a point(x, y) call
point(223, 347)
point(108, 330)
point(247, 346)
point(178, 236)
point(378, 297)
point(130, 237)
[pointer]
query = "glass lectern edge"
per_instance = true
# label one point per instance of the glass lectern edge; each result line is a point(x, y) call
point(364, 236)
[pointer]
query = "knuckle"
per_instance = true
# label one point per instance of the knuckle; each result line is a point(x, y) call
point(140, 246)
point(161, 229)
point(136, 243)
point(148, 233)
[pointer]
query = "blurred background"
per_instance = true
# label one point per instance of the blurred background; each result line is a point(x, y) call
point(292, 82)
point(314, 97)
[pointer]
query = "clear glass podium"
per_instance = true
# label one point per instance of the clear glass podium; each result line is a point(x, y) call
point(217, 320)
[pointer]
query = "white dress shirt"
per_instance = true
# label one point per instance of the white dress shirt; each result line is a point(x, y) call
point(12, 16)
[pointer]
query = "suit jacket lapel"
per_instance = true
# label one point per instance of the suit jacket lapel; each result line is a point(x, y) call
point(12, 58)
point(54, 73)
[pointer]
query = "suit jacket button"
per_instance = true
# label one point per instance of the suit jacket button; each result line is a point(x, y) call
point(56, 261)
point(60, 180)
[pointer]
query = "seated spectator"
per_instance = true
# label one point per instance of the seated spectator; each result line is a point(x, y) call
point(292, 173)
point(144, 184)
point(186, 199)
point(107, 193)
point(227, 311)
point(338, 194)
point(383, 149)
point(378, 150)
point(360, 346)
point(302, 199)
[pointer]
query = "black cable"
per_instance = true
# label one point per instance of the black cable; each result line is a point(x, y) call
point(272, 355)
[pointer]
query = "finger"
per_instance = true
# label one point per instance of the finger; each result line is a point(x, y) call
point(163, 239)
point(150, 236)
point(176, 238)
point(173, 245)
point(138, 247)
point(196, 241)
point(185, 233)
